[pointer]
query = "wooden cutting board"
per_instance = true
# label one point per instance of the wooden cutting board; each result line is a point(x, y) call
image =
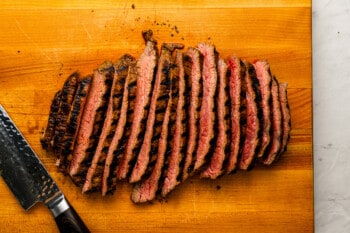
point(42, 43)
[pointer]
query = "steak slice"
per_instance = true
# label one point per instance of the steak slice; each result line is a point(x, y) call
point(263, 73)
point(145, 69)
point(94, 174)
point(147, 188)
point(207, 112)
point(178, 132)
point(73, 123)
point(91, 122)
point(286, 118)
point(156, 114)
point(67, 96)
point(253, 100)
point(237, 73)
point(276, 128)
point(222, 146)
point(193, 62)
point(122, 132)
point(49, 131)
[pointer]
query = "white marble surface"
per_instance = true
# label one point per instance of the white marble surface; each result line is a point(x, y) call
point(331, 109)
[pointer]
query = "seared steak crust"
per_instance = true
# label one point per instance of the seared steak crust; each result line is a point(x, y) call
point(49, 131)
point(73, 123)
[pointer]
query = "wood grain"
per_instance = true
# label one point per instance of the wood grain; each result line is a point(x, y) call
point(41, 43)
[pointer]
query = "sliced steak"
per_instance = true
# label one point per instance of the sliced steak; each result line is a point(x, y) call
point(222, 146)
point(92, 121)
point(237, 73)
point(145, 69)
point(94, 175)
point(193, 62)
point(49, 131)
point(180, 97)
point(252, 130)
point(207, 112)
point(286, 119)
point(122, 132)
point(263, 73)
point(67, 96)
point(73, 123)
point(160, 96)
point(147, 188)
point(276, 127)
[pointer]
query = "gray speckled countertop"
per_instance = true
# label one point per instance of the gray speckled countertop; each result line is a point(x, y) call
point(331, 112)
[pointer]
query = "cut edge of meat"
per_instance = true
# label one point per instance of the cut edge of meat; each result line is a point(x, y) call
point(216, 165)
point(286, 117)
point(252, 140)
point(158, 106)
point(172, 173)
point(207, 115)
point(237, 71)
point(73, 123)
point(264, 76)
point(98, 96)
point(196, 92)
point(146, 66)
point(276, 127)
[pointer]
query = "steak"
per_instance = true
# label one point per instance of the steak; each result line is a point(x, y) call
point(160, 119)
point(156, 114)
point(276, 127)
point(173, 171)
point(207, 112)
point(222, 146)
point(91, 122)
point(73, 123)
point(251, 140)
point(146, 189)
point(263, 73)
point(67, 96)
point(145, 69)
point(122, 131)
point(286, 119)
point(193, 62)
point(93, 177)
point(46, 139)
point(236, 72)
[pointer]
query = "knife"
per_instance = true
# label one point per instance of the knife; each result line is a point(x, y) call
point(29, 180)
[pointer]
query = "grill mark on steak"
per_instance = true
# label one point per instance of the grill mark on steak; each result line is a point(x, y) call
point(215, 167)
point(263, 73)
point(146, 66)
point(172, 171)
point(193, 61)
point(253, 97)
point(73, 123)
point(236, 72)
point(276, 127)
point(286, 119)
point(147, 188)
point(49, 131)
point(117, 146)
point(91, 122)
point(147, 155)
point(94, 174)
point(67, 96)
point(207, 112)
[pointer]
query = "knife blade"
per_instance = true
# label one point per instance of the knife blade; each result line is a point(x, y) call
point(29, 180)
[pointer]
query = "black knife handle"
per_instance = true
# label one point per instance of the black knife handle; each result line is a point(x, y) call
point(67, 219)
